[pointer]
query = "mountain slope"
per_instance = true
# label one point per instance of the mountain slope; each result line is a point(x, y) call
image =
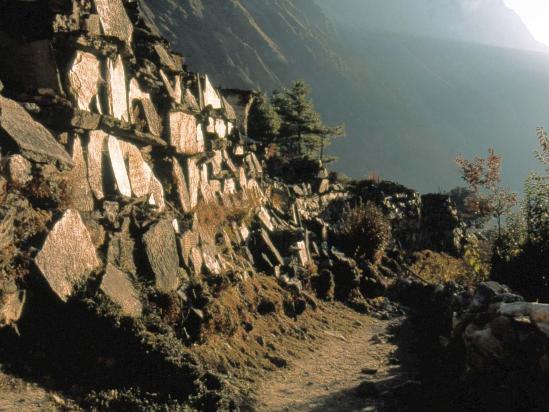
point(414, 86)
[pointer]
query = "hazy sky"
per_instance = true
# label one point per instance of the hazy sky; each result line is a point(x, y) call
point(535, 14)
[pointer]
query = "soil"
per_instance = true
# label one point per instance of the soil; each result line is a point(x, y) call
point(351, 370)
point(328, 358)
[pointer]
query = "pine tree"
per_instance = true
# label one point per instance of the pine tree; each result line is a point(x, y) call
point(264, 122)
point(302, 132)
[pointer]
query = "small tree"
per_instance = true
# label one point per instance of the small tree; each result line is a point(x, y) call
point(264, 122)
point(302, 131)
point(483, 175)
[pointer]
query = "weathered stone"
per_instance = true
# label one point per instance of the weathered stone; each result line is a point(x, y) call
point(172, 91)
point(34, 140)
point(188, 241)
point(254, 190)
point(220, 128)
point(256, 163)
point(207, 192)
point(204, 174)
point(210, 127)
point(114, 19)
point(118, 89)
point(193, 183)
point(165, 58)
point(196, 260)
point(190, 101)
point(68, 255)
point(110, 211)
point(217, 162)
point(121, 251)
point(80, 194)
point(211, 263)
point(161, 249)
point(184, 133)
point(93, 25)
point(323, 186)
point(244, 232)
point(216, 186)
point(270, 248)
point(82, 119)
point(240, 102)
point(118, 167)
point(181, 186)
point(97, 146)
point(137, 96)
point(303, 253)
point(84, 77)
point(157, 194)
point(118, 286)
point(19, 169)
point(242, 179)
point(139, 172)
point(11, 307)
point(210, 95)
point(238, 150)
point(265, 219)
point(229, 187)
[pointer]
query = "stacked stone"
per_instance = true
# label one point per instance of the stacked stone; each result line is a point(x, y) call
point(138, 132)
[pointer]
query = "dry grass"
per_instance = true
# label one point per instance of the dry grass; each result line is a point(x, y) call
point(436, 268)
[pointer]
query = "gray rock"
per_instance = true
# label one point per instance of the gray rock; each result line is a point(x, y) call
point(68, 255)
point(161, 249)
point(34, 140)
point(118, 286)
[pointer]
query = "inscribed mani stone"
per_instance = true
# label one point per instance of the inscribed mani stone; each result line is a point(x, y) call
point(114, 19)
point(119, 167)
point(84, 77)
point(80, 195)
point(211, 98)
point(96, 147)
point(161, 248)
point(118, 286)
point(184, 133)
point(34, 140)
point(118, 89)
point(68, 255)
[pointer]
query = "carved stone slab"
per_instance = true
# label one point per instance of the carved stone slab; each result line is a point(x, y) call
point(34, 140)
point(114, 19)
point(257, 164)
point(188, 241)
point(139, 172)
point(242, 179)
point(119, 167)
point(193, 183)
point(80, 195)
point(154, 122)
point(181, 186)
point(220, 128)
point(118, 286)
point(204, 175)
point(210, 127)
point(161, 249)
point(118, 89)
point(97, 146)
point(84, 76)
point(68, 255)
point(211, 263)
point(20, 170)
point(265, 219)
point(184, 133)
point(196, 260)
point(217, 162)
point(207, 192)
point(11, 307)
point(157, 194)
point(211, 97)
point(229, 187)
point(302, 253)
point(273, 251)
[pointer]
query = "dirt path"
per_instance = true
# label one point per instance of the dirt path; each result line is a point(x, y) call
point(329, 378)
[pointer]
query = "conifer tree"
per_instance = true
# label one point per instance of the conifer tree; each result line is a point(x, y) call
point(302, 133)
point(264, 122)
